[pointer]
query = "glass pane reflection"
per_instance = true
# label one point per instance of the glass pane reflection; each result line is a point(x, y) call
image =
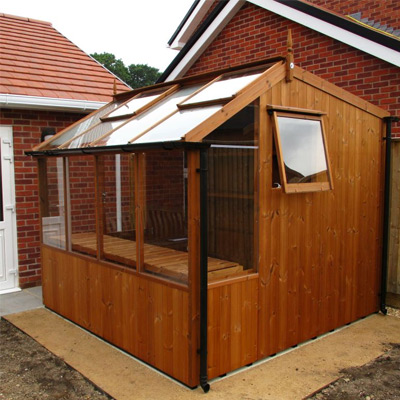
point(82, 126)
point(148, 119)
point(131, 106)
point(178, 125)
point(303, 150)
point(223, 88)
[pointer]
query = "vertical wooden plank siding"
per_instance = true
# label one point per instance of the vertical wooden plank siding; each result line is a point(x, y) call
point(320, 252)
point(148, 319)
point(193, 163)
point(393, 283)
point(232, 326)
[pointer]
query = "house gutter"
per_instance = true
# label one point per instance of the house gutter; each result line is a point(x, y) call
point(48, 103)
point(123, 148)
point(386, 212)
point(203, 270)
point(194, 38)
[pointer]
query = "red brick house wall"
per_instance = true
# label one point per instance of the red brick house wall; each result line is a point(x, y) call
point(385, 12)
point(255, 33)
point(27, 127)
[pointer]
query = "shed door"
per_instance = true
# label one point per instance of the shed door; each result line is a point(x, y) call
point(8, 237)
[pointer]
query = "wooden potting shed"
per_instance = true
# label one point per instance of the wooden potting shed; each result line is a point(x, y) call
point(207, 223)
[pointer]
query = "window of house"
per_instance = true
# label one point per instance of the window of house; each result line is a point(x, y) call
point(301, 152)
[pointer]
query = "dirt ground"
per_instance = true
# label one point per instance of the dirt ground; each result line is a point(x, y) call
point(29, 371)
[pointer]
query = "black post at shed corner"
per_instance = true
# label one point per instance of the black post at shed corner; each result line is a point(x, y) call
point(386, 212)
point(203, 270)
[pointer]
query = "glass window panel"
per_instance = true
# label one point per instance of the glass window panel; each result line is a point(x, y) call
point(231, 193)
point(165, 219)
point(94, 133)
point(52, 202)
point(82, 126)
point(225, 87)
point(303, 150)
point(178, 125)
point(82, 205)
point(149, 118)
point(132, 105)
point(119, 238)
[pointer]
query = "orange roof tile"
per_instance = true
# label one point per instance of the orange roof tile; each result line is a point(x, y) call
point(37, 60)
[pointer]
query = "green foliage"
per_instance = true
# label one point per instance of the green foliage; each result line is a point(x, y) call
point(135, 75)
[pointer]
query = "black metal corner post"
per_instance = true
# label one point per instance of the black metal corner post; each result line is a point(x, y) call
point(203, 270)
point(386, 211)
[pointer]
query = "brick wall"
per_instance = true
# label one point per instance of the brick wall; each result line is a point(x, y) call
point(385, 12)
point(255, 34)
point(27, 126)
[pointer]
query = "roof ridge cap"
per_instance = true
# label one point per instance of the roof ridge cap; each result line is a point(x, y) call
point(37, 21)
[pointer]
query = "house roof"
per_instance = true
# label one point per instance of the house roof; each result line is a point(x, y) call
point(377, 42)
point(40, 68)
point(182, 112)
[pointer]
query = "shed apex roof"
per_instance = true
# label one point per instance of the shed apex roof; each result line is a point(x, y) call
point(37, 60)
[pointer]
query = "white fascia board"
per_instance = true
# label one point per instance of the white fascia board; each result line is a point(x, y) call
point(368, 46)
point(206, 38)
point(48, 103)
point(191, 24)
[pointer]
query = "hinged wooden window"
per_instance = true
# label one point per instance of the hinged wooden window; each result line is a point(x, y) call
point(301, 151)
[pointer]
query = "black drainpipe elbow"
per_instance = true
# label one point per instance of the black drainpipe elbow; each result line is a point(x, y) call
point(386, 212)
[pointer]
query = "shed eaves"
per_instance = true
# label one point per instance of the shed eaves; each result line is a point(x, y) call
point(37, 60)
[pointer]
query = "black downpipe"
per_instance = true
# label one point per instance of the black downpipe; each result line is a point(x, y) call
point(386, 212)
point(203, 270)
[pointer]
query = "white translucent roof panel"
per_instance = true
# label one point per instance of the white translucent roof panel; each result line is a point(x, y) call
point(178, 125)
point(84, 125)
point(132, 106)
point(149, 118)
point(93, 134)
point(226, 87)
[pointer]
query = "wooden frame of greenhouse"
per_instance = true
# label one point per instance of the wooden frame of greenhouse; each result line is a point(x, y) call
point(207, 223)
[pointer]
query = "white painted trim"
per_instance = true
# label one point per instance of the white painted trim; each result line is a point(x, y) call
point(48, 103)
point(8, 134)
point(191, 24)
point(8, 291)
point(208, 36)
point(368, 46)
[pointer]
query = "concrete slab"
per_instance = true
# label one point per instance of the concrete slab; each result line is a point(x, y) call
point(27, 299)
point(291, 375)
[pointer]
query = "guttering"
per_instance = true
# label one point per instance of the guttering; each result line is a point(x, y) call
point(386, 212)
point(199, 41)
point(203, 271)
point(328, 27)
point(124, 148)
point(189, 20)
point(48, 103)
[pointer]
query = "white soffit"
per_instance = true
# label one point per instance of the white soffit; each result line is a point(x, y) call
point(191, 24)
point(206, 38)
point(47, 103)
point(342, 35)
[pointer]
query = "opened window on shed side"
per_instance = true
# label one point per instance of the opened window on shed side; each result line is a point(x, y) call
point(301, 152)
